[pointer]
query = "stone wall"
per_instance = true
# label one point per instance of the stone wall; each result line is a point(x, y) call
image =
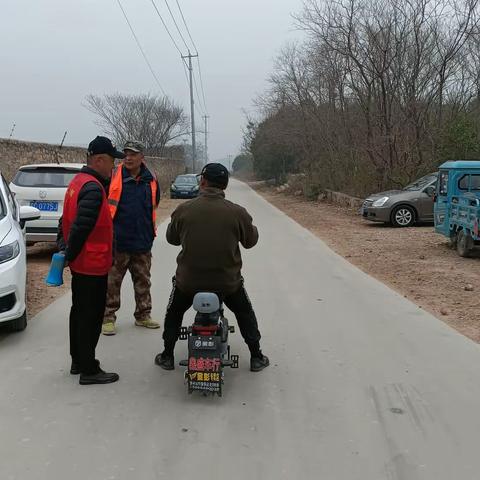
point(166, 170)
point(15, 153)
point(341, 199)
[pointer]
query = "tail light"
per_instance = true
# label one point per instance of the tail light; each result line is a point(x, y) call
point(204, 331)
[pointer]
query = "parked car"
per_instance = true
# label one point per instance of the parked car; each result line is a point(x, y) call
point(457, 204)
point(403, 208)
point(13, 258)
point(185, 186)
point(43, 186)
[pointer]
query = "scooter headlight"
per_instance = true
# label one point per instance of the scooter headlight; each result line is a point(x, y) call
point(9, 252)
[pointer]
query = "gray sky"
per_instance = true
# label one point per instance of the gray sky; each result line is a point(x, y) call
point(55, 52)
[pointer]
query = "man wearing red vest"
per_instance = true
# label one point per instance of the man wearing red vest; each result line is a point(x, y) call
point(133, 199)
point(86, 236)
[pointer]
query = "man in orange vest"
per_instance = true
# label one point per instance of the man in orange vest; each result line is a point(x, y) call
point(133, 198)
point(85, 235)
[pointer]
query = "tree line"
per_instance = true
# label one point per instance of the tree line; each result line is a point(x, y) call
point(378, 93)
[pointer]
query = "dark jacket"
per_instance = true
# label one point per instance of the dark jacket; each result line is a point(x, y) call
point(210, 229)
point(134, 231)
point(89, 203)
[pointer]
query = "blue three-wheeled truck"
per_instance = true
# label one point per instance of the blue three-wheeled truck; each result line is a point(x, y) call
point(457, 204)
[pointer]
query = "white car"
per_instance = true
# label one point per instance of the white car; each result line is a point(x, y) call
point(43, 186)
point(13, 258)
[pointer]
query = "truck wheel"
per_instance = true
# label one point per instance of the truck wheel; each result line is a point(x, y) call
point(464, 243)
point(453, 240)
point(403, 216)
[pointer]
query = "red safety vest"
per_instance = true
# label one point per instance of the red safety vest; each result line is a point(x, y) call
point(115, 193)
point(95, 258)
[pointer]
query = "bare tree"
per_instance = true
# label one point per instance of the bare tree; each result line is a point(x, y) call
point(155, 121)
point(374, 93)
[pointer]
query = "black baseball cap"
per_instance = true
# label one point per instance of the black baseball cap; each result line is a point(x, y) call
point(102, 145)
point(215, 173)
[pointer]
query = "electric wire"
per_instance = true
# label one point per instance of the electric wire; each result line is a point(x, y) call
point(141, 48)
point(186, 26)
point(201, 84)
point(196, 51)
point(166, 27)
point(176, 26)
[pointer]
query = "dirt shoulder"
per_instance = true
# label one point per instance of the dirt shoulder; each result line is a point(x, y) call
point(416, 262)
point(39, 256)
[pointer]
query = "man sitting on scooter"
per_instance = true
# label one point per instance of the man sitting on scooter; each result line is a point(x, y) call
point(209, 229)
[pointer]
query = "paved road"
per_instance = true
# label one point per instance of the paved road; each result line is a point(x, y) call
point(363, 385)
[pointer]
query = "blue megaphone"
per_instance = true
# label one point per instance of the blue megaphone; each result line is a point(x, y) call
point(55, 274)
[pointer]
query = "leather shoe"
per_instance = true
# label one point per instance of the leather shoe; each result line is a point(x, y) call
point(165, 361)
point(100, 377)
point(258, 363)
point(75, 368)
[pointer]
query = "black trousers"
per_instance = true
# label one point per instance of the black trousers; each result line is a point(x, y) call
point(89, 294)
point(237, 302)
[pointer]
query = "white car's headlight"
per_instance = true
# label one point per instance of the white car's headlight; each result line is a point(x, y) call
point(380, 202)
point(173, 187)
point(195, 188)
point(9, 252)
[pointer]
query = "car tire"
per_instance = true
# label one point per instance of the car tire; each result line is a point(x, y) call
point(403, 216)
point(464, 243)
point(20, 323)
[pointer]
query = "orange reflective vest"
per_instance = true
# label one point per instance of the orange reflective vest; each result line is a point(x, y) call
point(115, 193)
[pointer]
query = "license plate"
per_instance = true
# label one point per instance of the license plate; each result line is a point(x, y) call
point(184, 193)
point(45, 206)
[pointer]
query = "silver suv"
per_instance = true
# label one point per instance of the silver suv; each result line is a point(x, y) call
point(403, 208)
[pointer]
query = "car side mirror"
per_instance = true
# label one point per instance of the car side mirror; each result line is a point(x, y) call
point(430, 191)
point(28, 214)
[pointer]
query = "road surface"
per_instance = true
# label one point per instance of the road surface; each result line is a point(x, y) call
point(363, 384)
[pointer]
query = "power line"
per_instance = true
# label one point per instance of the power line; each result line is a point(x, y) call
point(198, 96)
point(165, 26)
point(196, 51)
point(141, 49)
point(186, 26)
point(201, 83)
point(176, 25)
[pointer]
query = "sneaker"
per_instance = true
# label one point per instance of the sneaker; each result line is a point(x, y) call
point(100, 378)
point(165, 361)
point(147, 323)
point(108, 328)
point(258, 363)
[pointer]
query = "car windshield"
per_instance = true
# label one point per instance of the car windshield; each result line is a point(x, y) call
point(421, 182)
point(186, 180)
point(44, 177)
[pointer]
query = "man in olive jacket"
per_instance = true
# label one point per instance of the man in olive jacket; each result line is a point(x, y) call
point(209, 229)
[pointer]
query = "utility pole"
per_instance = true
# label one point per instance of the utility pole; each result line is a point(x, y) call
point(11, 132)
point(192, 107)
point(61, 145)
point(205, 118)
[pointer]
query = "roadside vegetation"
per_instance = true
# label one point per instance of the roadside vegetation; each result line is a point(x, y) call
point(378, 94)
